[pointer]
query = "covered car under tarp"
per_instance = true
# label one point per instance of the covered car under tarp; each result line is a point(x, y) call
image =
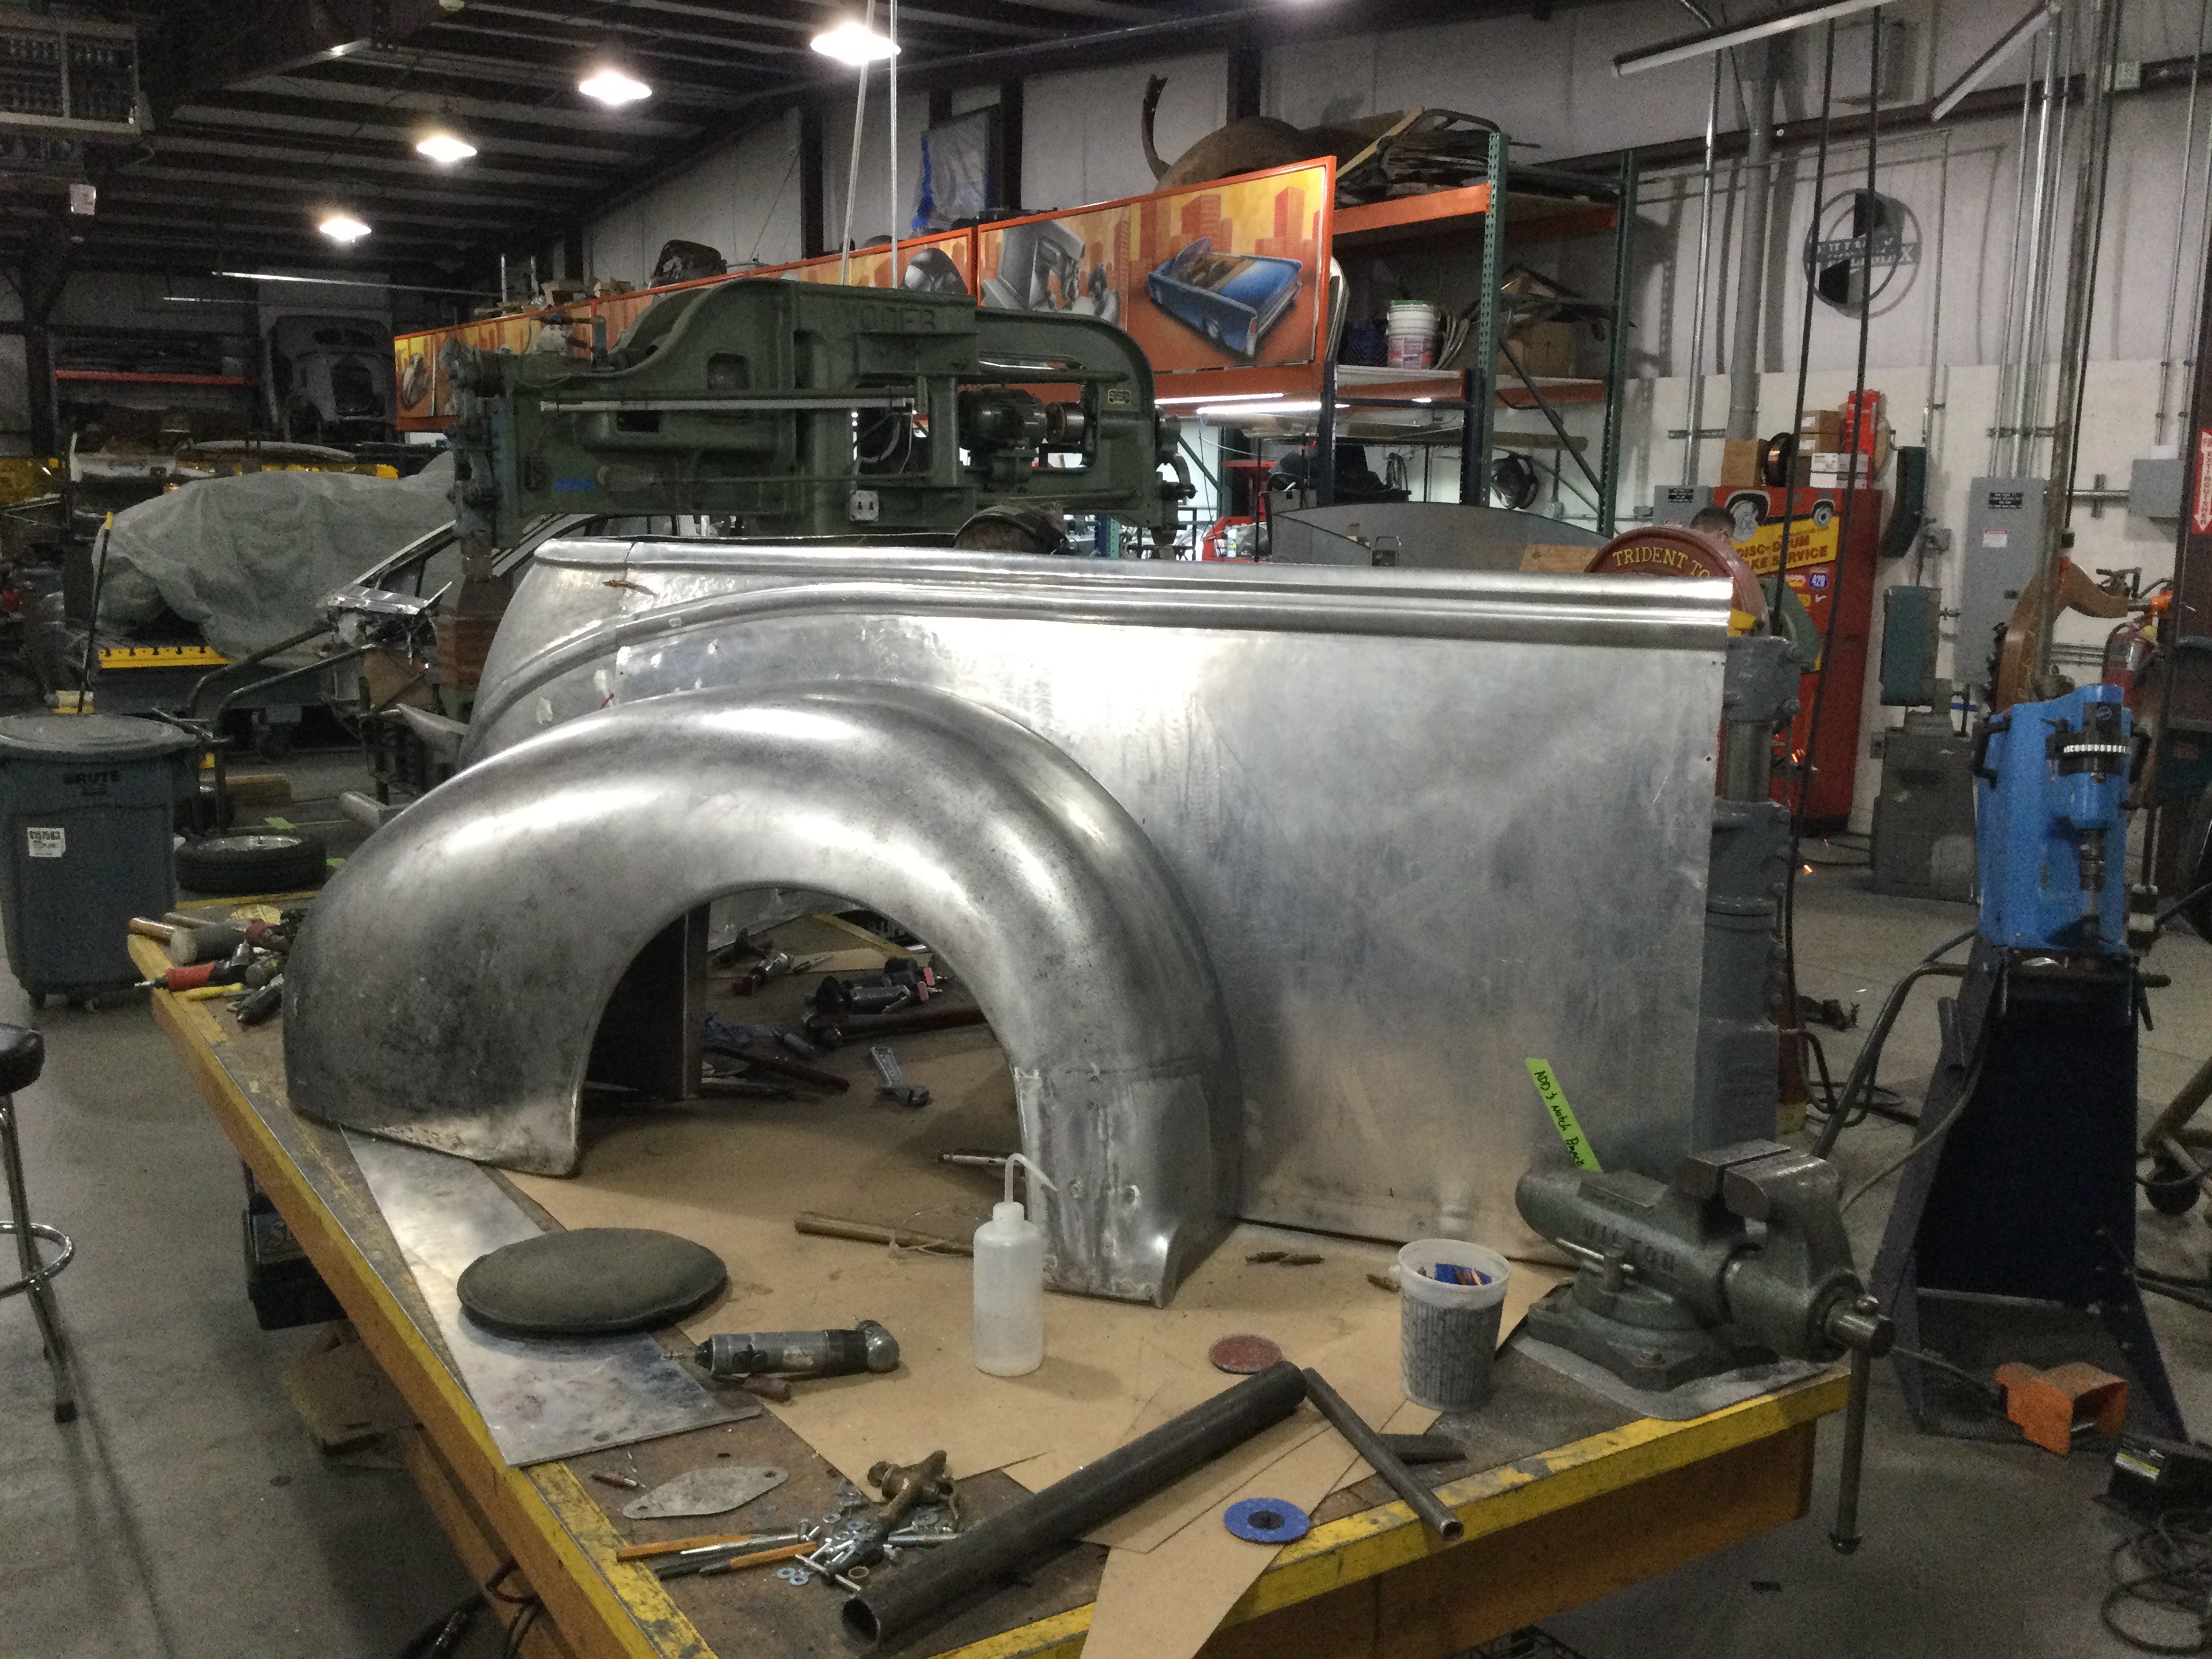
point(247, 560)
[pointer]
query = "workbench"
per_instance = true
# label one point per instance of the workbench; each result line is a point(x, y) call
point(1564, 1496)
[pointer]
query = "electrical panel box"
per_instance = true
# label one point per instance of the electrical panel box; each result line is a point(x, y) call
point(1679, 503)
point(2004, 544)
point(1909, 621)
point(2155, 487)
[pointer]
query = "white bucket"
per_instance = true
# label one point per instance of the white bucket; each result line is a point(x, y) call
point(1411, 341)
point(1448, 1333)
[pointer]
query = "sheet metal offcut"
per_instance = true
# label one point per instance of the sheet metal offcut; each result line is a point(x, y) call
point(541, 1397)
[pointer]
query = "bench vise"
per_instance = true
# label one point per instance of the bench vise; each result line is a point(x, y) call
point(1740, 1259)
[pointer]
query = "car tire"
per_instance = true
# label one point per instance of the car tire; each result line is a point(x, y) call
point(234, 867)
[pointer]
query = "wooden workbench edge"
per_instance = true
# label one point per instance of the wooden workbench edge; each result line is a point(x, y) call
point(1389, 1536)
point(543, 1515)
point(1376, 1541)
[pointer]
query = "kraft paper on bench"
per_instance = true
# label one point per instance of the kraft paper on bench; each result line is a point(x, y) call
point(732, 1175)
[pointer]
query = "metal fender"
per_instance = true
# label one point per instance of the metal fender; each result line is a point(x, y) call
point(447, 987)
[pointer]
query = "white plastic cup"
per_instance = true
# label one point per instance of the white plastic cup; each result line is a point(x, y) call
point(1448, 1333)
point(1409, 341)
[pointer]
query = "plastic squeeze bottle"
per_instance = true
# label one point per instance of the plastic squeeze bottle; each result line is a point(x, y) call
point(1010, 1283)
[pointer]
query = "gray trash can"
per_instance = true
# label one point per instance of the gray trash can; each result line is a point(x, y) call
point(89, 802)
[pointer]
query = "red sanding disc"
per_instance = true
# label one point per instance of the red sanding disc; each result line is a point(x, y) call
point(1241, 1356)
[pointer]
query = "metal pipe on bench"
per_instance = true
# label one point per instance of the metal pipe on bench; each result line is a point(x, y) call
point(1384, 1461)
point(1046, 1521)
point(222, 779)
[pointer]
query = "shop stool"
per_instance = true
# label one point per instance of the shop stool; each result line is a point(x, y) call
point(22, 1055)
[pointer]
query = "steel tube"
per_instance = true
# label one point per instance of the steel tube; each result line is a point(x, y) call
point(1048, 1522)
point(215, 745)
point(2058, 142)
point(2037, 20)
point(252, 660)
point(2008, 366)
point(1846, 1535)
point(891, 68)
point(2074, 336)
point(1696, 410)
point(2025, 377)
point(1751, 271)
point(1936, 297)
point(1385, 1463)
point(2180, 220)
point(852, 162)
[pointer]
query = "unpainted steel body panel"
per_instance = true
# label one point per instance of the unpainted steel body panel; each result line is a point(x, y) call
point(1424, 825)
point(447, 987)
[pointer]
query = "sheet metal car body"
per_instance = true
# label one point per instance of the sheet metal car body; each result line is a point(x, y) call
point(1269, 879)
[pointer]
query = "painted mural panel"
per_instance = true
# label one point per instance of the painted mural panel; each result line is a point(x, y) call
point(1226, 275)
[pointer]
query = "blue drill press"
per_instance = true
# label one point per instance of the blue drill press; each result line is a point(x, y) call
point(2013, 1238)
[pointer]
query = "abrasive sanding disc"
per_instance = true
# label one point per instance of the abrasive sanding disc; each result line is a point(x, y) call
point(1244, 1355)
point(591, 1281)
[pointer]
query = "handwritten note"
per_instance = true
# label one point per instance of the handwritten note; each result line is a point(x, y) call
point(1555, 1103)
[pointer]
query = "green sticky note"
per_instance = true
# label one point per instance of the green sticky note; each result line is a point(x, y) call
point(1555, 1103)
point(275, 823)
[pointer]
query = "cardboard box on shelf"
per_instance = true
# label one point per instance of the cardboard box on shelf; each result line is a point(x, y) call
point(1834, 469)
point(1820, 431)
point(1740, 463)
point(1547, 351)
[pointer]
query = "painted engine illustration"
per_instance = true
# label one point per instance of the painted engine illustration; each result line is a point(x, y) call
point(1045, 267)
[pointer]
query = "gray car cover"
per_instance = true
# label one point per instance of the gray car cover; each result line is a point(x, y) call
point(247, 559)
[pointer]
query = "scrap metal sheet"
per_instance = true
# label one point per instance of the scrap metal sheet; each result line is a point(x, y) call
point(542, 1397)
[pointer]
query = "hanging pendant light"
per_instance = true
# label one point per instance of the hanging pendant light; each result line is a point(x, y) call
point(854, 43)
point(608, 80)
point(444, 141)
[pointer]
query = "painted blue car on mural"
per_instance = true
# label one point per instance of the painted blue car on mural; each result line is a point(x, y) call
point(1232, 299)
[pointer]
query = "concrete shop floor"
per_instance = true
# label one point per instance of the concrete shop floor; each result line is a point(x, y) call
point(188, 1514)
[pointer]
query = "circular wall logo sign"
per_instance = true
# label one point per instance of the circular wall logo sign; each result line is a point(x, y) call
point(1858, 244)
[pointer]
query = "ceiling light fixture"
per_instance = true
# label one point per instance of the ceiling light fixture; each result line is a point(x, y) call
point(853, 44)
point(1704, 45)
point(444, 141)
point(612, 88)
point(343, 227)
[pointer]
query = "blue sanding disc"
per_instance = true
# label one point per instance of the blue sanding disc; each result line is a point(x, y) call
point(1267, 1521)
